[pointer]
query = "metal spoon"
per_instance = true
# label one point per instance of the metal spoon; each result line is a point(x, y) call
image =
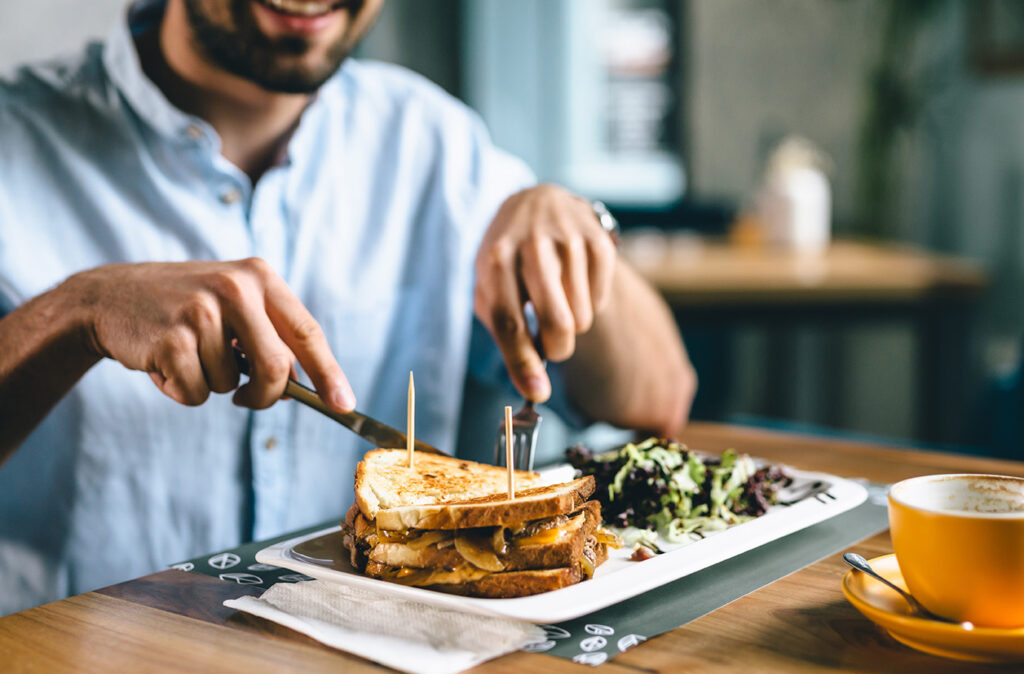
point(861, 564)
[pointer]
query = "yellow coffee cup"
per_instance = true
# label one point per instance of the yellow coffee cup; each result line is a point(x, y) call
point(959, 542)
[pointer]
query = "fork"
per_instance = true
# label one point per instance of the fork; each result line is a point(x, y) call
point(525, 422)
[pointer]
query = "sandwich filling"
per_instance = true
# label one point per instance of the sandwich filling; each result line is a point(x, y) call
point(542, 543)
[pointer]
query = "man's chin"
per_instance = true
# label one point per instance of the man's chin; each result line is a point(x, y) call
point(292, 78)
point(291, 83)
point(287, 63)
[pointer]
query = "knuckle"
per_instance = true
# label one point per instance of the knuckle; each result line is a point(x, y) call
point(536, 242)
point(506, 324)
point(178, 346)
point(276, 367)
point(561, 349)
point(500, 255)
point(518, 362)
point(558, 323)
point(222, 378)
point(258, 266)
point(573, 244)
point(256, 402)
point(201, 311)
point(222, 385)
point(251, 397)
point(229, 285)
point(308, 331)
point(195, 396)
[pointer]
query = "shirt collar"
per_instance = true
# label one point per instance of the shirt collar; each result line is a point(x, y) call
point(121, 61)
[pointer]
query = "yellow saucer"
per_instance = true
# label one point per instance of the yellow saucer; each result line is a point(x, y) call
point(949, 640)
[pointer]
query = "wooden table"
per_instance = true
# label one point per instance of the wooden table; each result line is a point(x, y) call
point(174, 621)
point(716, 284)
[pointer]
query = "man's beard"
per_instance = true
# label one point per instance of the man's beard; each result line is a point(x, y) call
point(246, 52)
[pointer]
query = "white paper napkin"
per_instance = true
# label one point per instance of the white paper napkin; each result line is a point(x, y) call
point(405, 635)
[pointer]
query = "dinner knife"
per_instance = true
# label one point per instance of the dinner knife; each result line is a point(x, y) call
point(375, 432)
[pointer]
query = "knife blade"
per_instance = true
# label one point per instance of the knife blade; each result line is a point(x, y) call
point(377, 433)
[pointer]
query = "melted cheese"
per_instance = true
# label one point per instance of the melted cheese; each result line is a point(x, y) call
point(393, 536)
point(545, 536)
point(408, 576)
point(427, 539)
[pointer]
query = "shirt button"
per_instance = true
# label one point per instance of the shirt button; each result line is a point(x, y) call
point(230, 196)
point(193, 131)
point(270, 443)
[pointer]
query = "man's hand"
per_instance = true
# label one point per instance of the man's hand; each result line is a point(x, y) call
point(546, 246)
point(177, 321)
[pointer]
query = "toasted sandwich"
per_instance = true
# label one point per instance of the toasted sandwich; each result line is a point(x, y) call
point(449, 525)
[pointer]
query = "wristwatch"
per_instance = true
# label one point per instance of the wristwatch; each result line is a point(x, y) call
point(607, 221)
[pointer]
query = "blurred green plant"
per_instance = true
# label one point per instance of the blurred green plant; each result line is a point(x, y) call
point(892, 102)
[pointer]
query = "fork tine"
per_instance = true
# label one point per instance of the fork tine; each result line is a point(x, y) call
point(499, 449)
point(525, 424)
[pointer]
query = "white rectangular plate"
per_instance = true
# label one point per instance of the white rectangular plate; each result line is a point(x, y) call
point(322, 556)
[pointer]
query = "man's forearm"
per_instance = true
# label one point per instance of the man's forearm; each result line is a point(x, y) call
point(43, 352)
point(631, 368)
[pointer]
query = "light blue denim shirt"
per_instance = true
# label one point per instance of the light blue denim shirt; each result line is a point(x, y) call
point(373, 218)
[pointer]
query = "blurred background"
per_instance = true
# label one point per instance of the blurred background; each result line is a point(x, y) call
point(910, 137)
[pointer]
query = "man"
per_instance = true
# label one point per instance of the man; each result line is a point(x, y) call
point(209, 176)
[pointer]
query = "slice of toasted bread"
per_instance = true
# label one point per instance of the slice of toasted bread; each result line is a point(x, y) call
point(385, 481)
point(564, 547)
point(497, 585)
point(523, 583)
point(516, 583)
point(492, 510)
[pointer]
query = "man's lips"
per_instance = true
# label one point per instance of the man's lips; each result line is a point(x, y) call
point(298, 17)
point(302, 8)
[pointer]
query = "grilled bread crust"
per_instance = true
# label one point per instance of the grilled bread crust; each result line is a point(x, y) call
point(563, 552)
point(509, 584)
point(516, 583)
point(493, 509)
point(384, 480)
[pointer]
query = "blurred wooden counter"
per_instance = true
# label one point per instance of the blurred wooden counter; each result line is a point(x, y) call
point(713, 283)
point(693, 272)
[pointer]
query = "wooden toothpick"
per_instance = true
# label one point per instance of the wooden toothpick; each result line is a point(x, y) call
point(410, 422)
point(508, 453)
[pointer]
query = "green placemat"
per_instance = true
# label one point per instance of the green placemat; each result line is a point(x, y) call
point(239, 565)
point(603, 634)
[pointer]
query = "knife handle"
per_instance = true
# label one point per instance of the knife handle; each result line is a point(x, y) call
point(307, 396)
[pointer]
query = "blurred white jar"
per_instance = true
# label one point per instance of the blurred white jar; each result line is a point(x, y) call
point(794, 201)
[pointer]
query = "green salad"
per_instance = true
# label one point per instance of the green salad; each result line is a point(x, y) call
point(659, 487)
